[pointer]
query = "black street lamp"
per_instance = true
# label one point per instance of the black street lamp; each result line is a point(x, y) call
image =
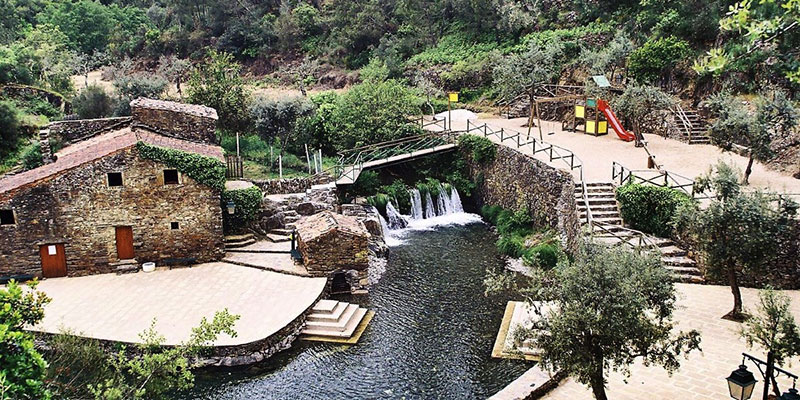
point(741, 382)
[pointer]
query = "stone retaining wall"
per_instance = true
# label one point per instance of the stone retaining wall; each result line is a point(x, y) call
point(55, 99)
point(515, 181)
point(69, 132)
point(291, 185)
point(183, 121)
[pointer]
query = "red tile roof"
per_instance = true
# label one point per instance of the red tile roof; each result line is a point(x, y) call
point(101, 146)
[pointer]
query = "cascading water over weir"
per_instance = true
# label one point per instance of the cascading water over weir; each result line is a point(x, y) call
point(446, 203)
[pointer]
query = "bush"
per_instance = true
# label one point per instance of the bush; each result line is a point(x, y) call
point(93, 102)
point(368, 183)
point(248, 205)
point(543, 255)
point(649, 62)
point(203, 169)
point(650, 209)
point(511, 245)
point(32, 156)
point(483, 150)
point(490, 213)
point(514, 222)
point(9, 127)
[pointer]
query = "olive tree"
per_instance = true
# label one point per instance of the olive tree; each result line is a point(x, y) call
point(639, 105)
point(736, 232)
point(278, 118)
point(218, 83)
point(773, 115)
point(773, 328)
point(604, 319)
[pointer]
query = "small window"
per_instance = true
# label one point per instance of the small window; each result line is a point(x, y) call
point(170, 176)
point(115, 179)
point(174, 225)
point(7, 217)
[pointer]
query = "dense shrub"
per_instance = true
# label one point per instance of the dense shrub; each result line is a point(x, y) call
point(543, 255)
point(514, 222)
point(248, 205)
point(368, 183)
point(93, 102)
point(649, 62)
point(482, 149)
point(31, 156)
point(490, 213)
point(206, 170)
point(649, 208)
point(511, 245)
point(9, 126)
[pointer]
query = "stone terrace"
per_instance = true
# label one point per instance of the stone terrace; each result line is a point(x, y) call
point(119, 307)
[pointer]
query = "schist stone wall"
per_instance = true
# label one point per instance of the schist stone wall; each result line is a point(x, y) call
point(69, 132)
point(515, 181)
point(77, 208)
point(332, 243)
point(183, 121)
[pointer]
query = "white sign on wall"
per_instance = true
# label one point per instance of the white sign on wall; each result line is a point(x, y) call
point(51, 250)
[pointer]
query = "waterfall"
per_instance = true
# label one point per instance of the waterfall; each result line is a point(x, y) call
point(416, 204)
point(441, 209)
point(396, 221)
point(446, 202)
point(455, 200)
point(429, 211)
point(384, 225)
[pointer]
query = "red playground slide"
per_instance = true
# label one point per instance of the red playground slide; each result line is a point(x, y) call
point(621, 132)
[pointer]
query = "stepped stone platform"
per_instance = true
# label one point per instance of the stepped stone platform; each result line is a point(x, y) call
point(268, 256)
point(118, 307)
point(518, 315)
point(336, 321)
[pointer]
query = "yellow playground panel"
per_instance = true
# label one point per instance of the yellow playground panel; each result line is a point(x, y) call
point(602, 127)
point(588, 115)
point(580, 111)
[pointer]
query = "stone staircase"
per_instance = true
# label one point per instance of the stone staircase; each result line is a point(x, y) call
point(332, 320)
point(125, 266)
point(238, 241)
point(604, 210)
point(697, 133)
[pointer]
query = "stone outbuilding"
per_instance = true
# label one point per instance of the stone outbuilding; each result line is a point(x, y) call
point(98, 205)
point(335, 246)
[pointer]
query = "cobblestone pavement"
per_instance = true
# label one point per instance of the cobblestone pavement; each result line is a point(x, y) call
point(119, 307)
point(703, 375)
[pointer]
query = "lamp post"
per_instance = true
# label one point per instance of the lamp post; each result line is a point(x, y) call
point(741, 382)
point(231, 207)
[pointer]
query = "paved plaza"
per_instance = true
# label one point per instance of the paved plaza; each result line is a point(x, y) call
point(703, 375)
point(119, 307)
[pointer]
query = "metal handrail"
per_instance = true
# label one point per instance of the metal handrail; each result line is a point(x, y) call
point(662, 178)
point(644, 241)
point(684, 120)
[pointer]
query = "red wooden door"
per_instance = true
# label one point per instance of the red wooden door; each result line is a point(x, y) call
point(124, 242)
point(54, 260)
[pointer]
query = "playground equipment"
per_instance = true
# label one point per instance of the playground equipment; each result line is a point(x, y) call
point(609, 113)
point(592, 116)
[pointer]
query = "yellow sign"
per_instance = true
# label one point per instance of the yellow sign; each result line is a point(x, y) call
point(453, 97)
point(580, 111)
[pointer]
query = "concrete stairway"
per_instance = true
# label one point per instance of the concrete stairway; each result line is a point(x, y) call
point(604, 209)
point(697, 133)
point(237, 241)
point(334, 319)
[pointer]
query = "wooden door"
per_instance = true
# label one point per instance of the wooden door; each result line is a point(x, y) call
point(124, 242)
point(54, 260)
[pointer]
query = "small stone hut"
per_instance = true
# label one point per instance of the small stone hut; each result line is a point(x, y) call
point(333, 245)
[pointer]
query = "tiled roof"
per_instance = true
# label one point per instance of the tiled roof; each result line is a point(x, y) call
point(192, 109)
point(99, 147)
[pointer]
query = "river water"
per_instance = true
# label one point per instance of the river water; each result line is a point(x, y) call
point(431, 336)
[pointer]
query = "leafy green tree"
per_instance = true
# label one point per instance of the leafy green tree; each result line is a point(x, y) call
point(639, 104)
point(604, 320)
point(651, 62)
point(135, 85)
point(9, 127)
point(521, 73)
point(736, 232)
point(278, 118)
point(174, 69)
point(88, 24)
point(155, 370)
point(93, 102)
point(372, 112)
point(218, 83)
point(736, 124)
point(22, 368)
point(773, 328)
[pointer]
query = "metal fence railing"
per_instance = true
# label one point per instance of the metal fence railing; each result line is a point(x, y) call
point(662, 178)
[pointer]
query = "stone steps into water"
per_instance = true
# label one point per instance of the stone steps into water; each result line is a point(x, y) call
point(336, 321)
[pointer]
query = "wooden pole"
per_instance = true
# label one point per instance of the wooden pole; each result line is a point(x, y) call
point(280, 166)
point(530, 117)
point(320, 160)
point(449, 117)
point(237, 145)
point(539, 118)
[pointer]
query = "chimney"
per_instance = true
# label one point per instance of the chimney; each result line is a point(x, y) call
point(44, 144)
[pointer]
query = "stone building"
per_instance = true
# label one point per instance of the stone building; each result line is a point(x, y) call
point(98, 206)
point(335, 246)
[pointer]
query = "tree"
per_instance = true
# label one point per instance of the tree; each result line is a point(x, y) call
point(639, 104)
point(651, 62)
point(92, 102)
point(604, 320)
point(737, 231)
point(773, 328)
point(278, 118)
point(218, 83)
point(774, 116)
point(88, 24)
point(521, 73)
point(157, 370)
point(88, 62)
point(372, 112)
point(22, 368)
point(135, 85)
point(175, 69)
point(9, 127)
